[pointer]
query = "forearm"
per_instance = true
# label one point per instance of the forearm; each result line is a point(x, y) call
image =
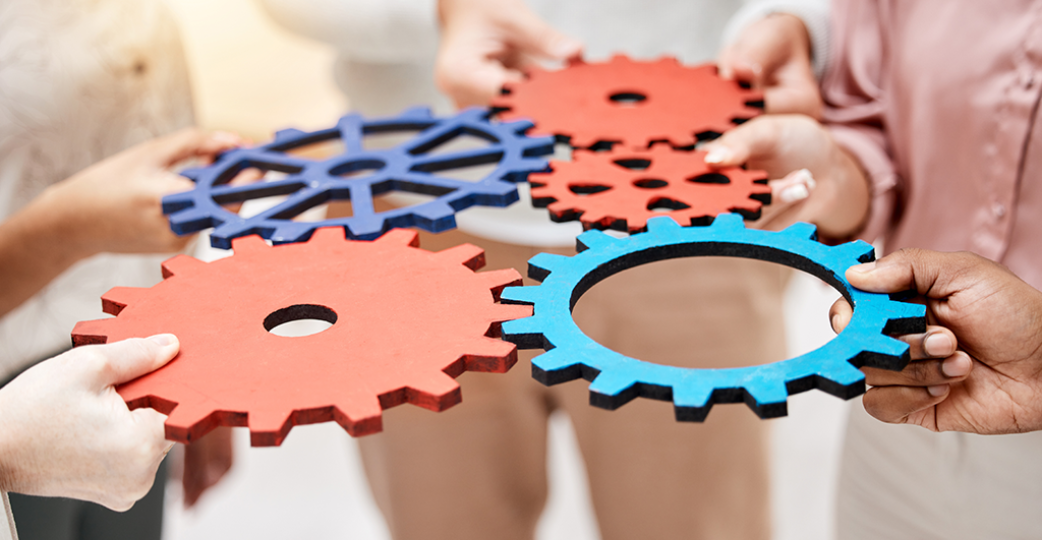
point(846, 208)
point(36, 246)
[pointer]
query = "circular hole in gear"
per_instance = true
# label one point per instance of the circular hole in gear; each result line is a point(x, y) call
point(628, 98)
point(300, 320)
point(708, 312)
point(650, 183)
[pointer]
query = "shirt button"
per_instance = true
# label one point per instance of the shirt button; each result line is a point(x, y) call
point(998, 209)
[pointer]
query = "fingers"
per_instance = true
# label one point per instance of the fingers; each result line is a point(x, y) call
point(840, 314)
point(929, 272)
point(535, 38)
point(755, 139)
point(129, 359)
point(191, 142)
point(897, 404)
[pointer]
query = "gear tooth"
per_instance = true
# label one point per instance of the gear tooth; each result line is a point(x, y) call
point(490, 355)
point(522, 295)
point(188, 421)
point(595, 240)
point(182, 265)
point(404, 237)
point(496, 280)
point(291, 232)
point(329, 235)
point(248, 244)
point(190, 220)
point(662, 225)
point(468, 255)
point(93, 332)
point(287, 135)
point(543, 264)
point(509, 312)
point(417, 113)
point(436, 392)
point(767, 398)
point(857, 250)
point(369, 227)
point(620, 58)
point(802, 230)
point(611, 390)
point(176, 202)
point(117, 298)
point(360, 416)
point(555, 366)
point(268, 427)
point(522, 327)
point(668, 61)
point(729, 221)
point(192, 173)
point(692, 393)
point(518, 126)
point(842, 373)
point(886, 346)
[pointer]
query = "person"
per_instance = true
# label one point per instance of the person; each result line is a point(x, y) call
point(479, 470)
point(65, 432)
point(929, 144)
point(81, 83)
point(977, 367)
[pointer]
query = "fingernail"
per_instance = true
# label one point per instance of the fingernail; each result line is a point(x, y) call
point(939, 346)
point(937, 390)
point(863, 268)
point(566, 47)
point(794, 193)
point(956, 366)
point(163, 340)
point(805, 176)
point(718, 154)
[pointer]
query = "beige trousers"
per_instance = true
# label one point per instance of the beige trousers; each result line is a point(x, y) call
point(478, 470)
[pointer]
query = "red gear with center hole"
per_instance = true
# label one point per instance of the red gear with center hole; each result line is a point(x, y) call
point(622, 188)
point(405, 322)
point(679, 102)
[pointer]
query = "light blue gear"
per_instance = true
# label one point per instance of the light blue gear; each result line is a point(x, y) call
point(406, 167)
point(617, 379)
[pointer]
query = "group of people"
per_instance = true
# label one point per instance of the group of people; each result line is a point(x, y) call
point(909, 123)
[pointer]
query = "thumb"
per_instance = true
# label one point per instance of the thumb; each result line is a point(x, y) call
point(534, 37)
point(755, 139)
point(191, 142)
point(132, 358)
point(902, 270)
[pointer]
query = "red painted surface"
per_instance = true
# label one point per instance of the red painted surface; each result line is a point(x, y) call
point(679, 102)
point(407, 322)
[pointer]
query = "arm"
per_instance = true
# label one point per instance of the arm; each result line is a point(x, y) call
point(486, 43)
point(978, 368)
point(111, 206)
point(64, 431)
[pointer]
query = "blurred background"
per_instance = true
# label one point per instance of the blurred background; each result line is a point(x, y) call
point(252, 76)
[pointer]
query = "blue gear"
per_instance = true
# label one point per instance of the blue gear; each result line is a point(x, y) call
point(406, 167)
point(617, 379)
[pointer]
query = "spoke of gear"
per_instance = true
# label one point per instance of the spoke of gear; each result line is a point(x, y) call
point(405, 322)
point(359, 174)
point(621, 189)
point(617, 379)
point(630, 102)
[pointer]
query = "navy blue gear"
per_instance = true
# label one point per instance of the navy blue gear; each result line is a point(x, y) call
point(617, 379)
point(407, 167)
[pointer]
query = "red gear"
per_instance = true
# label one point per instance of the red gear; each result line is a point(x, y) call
point(619, 189)
point(406, 321)
point(678, 103)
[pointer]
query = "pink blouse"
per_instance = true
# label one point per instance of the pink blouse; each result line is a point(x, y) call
point(938, 100)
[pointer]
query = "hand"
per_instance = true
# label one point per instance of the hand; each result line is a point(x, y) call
point(65, 432)
point(486, 43)
point(207, 460)
point(978, 367)
point(774, 56)
point(115, 204)
point(815, 180)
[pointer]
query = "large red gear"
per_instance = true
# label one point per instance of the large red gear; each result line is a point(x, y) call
point(406, 322)
point(622, 189)
point(635, 103)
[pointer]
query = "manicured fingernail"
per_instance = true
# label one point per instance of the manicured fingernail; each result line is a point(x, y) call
point(957, 366)
point(864, 268)
point(794, 193)
point(163, 339)
point(566, 47)
point(805, 176)
point(718, 154)
point(937, 390)
point(939, 346)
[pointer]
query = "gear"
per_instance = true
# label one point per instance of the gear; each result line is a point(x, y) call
point(630, 102)
point(617, 379)
point(621, 189)
point(405, 322)
point(358, 175)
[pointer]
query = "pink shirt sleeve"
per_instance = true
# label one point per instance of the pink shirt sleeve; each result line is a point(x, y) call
point(855, 104)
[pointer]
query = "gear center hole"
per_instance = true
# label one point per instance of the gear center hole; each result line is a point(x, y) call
point(628, 98)
point(300, 320)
